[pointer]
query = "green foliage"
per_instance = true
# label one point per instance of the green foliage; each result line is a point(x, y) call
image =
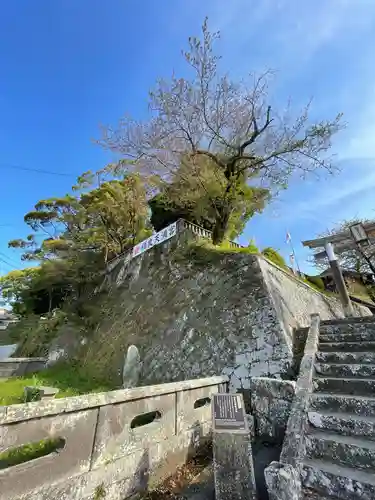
point(14, 285)
point(205, 252)
point(99, 492)
point(165, 211)
point(34, 333)
point(274, 256)
point(106, 218)
point(30, 451)
point(252, 248)
point(72, 379)
point(184, 197)
point(315, 281)
point(187, 196)
point(74, 236)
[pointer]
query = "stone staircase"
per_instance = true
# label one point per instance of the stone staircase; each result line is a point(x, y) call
point(340, 440)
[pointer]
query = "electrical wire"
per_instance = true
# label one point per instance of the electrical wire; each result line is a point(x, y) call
point(13, 262)
point(37, 170)
point(7, 263)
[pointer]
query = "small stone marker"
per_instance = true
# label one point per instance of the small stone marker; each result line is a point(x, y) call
point(233, 461)
point(34, 393)
point(132, 368)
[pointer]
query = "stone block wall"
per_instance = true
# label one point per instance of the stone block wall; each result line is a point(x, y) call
point(199, 317)
point(196, 312)
point(295, 301)
point(270, 403)
point(117, 442)
point(16, 367)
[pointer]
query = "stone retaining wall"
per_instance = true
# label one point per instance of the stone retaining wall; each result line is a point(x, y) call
point(109, 446)
point(16, 367)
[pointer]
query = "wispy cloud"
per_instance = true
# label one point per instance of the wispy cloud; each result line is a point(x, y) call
point(326, 47)
point(322, 49)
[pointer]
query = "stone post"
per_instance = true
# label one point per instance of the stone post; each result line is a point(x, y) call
point(232, 455)
point(339, 281)
point(132, 368)
point(283, 482)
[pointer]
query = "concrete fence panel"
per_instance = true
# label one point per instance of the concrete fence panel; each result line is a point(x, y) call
point(77, 431)
point(115, 437)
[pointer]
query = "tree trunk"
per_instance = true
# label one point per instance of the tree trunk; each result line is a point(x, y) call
point(221, 225)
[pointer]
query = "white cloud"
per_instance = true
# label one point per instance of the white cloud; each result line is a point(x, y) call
point(348, 195)
point(289, 27)
point(305, 38)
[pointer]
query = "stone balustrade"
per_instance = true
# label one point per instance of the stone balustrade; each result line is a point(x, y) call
point(116, 443)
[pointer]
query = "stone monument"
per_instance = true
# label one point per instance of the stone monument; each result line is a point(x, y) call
point(232, 455)
point(132, 368)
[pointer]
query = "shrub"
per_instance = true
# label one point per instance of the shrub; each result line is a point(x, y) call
point(274, 256)
point(315, 281)
point(252, 248)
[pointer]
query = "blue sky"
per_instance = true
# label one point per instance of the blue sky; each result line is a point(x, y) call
point(69, 65)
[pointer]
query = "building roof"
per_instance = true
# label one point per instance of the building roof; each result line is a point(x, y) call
point(345, 272)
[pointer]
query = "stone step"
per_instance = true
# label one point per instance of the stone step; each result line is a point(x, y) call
point(308, 494)
point(343, 423)
point(336, 481)
point(350, 451)
point(345, 370)
point(355, 405)
point(347, 346)
point(346, 357)
point(356, 385)
point(368, 336)
point(348, 324)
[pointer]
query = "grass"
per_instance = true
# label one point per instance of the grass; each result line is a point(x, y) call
point(30, 451)
point(70, 379)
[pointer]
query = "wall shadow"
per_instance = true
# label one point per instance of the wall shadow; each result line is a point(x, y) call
point(151, 481)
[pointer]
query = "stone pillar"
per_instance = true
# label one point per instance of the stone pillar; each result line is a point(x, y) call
point(339, 281)
point(283, 482)
point(232, 455)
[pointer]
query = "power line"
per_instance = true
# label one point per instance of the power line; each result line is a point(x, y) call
point(7, 263)
point(36, 170)
point(8, 258)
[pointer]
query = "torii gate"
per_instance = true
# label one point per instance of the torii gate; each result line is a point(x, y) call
point(357, 235)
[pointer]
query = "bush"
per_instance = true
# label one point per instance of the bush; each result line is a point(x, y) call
point(226, 246)
point(274, 256)
point(252, 248)
point(316, 282)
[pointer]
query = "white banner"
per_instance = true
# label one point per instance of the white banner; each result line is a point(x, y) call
point(155, 239)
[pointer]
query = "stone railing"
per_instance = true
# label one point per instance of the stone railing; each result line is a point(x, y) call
point(182, 225)
point(200, 231)
point(114, 444)
point(16, 367)
point(283, 477)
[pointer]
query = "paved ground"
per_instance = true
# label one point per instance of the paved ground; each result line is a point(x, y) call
point(7, 350)
point(263, 455)
point(203, 486)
